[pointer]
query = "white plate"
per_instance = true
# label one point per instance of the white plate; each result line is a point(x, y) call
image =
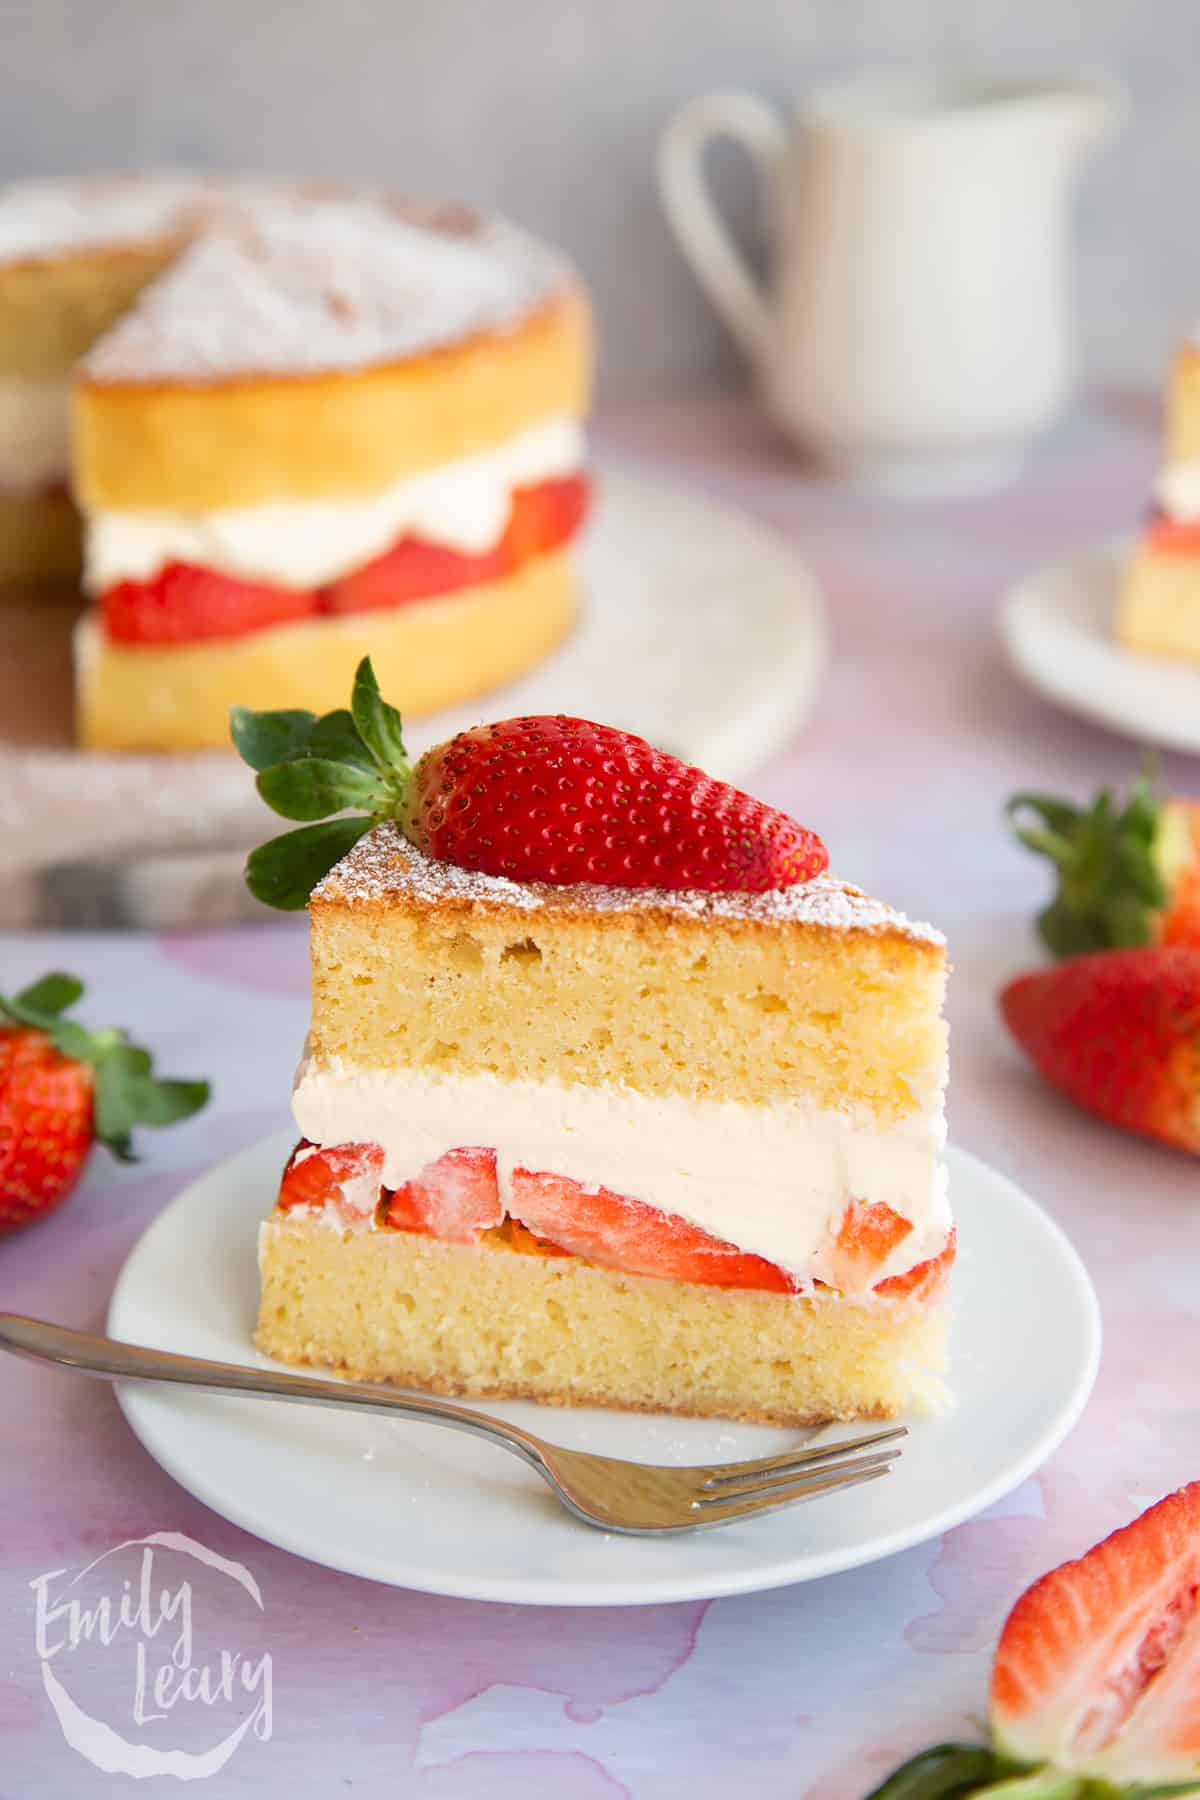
point(421, 1507)
point(1058, 631)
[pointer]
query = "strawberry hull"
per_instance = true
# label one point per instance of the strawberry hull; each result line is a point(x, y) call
point(1128, 870)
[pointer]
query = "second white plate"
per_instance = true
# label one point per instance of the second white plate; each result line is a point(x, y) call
point(1058, 631)
point(422, 1507)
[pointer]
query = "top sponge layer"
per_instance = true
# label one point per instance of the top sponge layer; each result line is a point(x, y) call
point(816, 991)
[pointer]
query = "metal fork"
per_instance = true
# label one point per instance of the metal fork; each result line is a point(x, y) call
point(643, 1499)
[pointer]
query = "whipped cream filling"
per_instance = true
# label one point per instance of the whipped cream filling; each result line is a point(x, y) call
point(774, 1179)
point(1177, 491)
point(35, 431)
point(462, 505)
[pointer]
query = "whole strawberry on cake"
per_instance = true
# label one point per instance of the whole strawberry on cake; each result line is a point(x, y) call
point(613, 1095)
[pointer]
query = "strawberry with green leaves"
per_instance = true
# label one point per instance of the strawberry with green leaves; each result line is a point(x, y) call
point(1096, 1680)
point(1128, 871)
point(62, 1088)
point(548, 798)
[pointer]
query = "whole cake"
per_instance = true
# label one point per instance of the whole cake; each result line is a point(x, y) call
point(1159, 609)
point(612, 1096)
point(307, 423)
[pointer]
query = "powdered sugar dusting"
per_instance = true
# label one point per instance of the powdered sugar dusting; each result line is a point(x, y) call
point(383, 864)
point(47, 218)
point(302, 283)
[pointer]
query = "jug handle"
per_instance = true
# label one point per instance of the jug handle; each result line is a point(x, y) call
point(699, 230)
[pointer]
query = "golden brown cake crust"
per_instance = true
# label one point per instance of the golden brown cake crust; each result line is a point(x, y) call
point(385, 875)
point(684, 1407)
point(243, 441)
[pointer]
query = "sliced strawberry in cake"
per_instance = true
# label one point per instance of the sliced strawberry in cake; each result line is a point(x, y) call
point(455, 1198)
point(342, 1178)
point(618, 1233)
point(184, 605)
point(541, 519)
point(867, 1235)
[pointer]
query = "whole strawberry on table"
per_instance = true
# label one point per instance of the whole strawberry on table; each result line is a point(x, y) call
point(1096, 1679)
point(64, 1088)
point(1116, 1024)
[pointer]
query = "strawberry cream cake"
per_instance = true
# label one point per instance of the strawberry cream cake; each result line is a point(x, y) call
point(612, 1095)
point(301, 423)
point(1159, 609)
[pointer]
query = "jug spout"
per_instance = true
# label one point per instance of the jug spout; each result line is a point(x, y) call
point(1084, 113)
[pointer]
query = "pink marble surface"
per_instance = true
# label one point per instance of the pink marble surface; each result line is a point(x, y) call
point(812, 1691)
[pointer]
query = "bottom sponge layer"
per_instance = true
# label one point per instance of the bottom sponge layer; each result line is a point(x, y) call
point(491, 1320)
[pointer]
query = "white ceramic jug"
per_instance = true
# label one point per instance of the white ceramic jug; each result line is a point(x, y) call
point(917, 329)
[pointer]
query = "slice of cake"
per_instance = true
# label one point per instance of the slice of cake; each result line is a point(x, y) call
point(652, 1120)
point(1159, 608)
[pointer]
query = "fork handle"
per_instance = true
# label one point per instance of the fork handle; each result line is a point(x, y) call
point(113, 1360)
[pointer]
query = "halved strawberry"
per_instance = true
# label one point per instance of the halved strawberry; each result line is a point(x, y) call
point(454, 1198)
point(1098, 1666)
point(925, 1280)
point(346, 1177)
point(866, 1237)
point(617, 1233)
point(185, 605)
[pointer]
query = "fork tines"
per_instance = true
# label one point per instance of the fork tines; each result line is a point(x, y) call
point(738, 1490)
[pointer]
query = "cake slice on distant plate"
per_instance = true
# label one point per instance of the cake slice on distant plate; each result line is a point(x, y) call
point(1159, 607)
point(612, 1095)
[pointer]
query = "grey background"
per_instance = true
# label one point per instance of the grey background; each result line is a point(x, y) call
point(550, 109)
